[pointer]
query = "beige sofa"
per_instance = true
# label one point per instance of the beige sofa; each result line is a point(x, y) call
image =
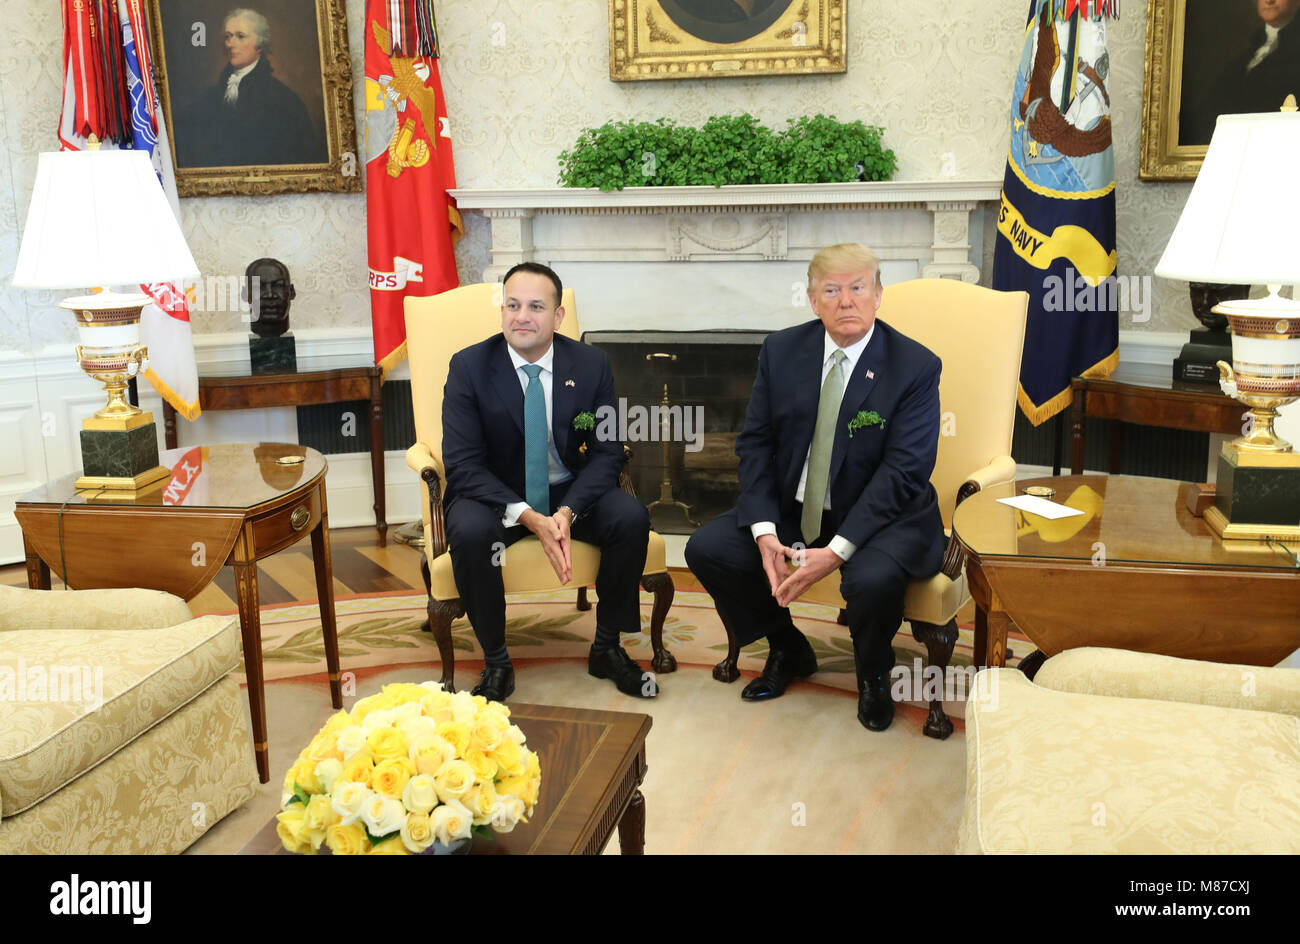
point(1126, 752)
point(120, 728)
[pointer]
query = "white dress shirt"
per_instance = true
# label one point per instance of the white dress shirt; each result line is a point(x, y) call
point(556, 470)
point(1266, 50)
point(852, 354)
point(232, 83)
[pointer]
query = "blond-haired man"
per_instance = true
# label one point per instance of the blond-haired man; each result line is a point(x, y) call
point(835, 460)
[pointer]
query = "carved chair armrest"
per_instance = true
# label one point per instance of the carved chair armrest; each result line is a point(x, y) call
point(999, 471)
point(624, 478)
point(421, 459)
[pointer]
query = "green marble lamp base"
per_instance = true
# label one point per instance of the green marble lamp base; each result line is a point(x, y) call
point(1257, 495)
point(273, 355)
point(125, 459)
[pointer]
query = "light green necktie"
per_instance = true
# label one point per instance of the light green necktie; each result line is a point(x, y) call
point(819, 456)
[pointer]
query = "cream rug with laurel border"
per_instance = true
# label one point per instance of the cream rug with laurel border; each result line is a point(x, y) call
point(384, 630)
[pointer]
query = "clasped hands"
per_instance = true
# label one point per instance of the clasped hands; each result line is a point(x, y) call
point(789, 583)
point(553, 532)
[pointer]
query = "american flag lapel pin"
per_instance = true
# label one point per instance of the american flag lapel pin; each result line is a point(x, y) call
point(871, 375)
point(570, 383)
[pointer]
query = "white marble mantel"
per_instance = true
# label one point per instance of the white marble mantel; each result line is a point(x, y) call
point(727, 257)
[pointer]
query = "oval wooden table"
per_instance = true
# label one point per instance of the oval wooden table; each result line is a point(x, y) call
point(228, 504)
point(1136, 570)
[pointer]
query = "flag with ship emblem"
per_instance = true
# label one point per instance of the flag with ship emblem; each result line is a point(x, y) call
point(411, 220)
point(1056, 224)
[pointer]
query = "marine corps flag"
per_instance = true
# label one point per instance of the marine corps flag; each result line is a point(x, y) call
point(412, 222)
point(1056, 225)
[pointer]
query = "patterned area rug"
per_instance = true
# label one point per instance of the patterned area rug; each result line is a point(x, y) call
point(384, 630)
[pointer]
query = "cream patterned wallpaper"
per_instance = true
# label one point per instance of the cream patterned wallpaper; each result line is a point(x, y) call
point(524, 76)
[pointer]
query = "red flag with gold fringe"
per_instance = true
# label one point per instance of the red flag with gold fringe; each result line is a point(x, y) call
point(412, 222)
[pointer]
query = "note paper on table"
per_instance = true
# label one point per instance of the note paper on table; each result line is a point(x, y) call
point(1040, 506)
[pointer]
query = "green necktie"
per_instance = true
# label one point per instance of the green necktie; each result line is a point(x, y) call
point(536, 473)
point(819, 456)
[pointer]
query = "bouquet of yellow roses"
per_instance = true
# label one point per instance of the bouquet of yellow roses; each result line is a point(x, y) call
point(409, 770)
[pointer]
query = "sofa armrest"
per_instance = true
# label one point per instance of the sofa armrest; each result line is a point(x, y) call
point(1124, 674)
point(90, 609)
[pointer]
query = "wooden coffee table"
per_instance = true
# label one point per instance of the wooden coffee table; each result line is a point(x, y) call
point(592, 766)
point(1136, 571)
point(228, 504)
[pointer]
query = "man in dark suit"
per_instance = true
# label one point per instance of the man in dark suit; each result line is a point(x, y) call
point(839, 443)
point(1257, 80)
point(523, 456)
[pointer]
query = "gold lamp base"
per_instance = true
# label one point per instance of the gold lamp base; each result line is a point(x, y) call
point(132, 486)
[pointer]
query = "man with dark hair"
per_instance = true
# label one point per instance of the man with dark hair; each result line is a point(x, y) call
point(521, 458)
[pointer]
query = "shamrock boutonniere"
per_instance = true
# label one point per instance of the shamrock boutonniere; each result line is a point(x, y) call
point(864, 419)
point(584, 420)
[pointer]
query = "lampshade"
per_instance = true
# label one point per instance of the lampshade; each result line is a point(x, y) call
point(100, 218)
point(1241, 224)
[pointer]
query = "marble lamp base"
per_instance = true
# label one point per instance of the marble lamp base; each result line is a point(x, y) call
point(272, 355)
point(1257, 495)
point(121, 459)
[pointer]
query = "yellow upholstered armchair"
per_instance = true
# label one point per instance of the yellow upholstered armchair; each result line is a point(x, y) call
point(979, 335)
point(437, 327)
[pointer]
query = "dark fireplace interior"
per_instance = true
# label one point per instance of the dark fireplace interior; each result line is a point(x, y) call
point(710, 370)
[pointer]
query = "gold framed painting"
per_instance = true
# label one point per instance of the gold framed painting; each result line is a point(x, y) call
point(692, 39)
point(1206, 58)
point(257, 99)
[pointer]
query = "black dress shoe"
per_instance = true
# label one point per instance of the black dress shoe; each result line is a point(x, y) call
point(875, 703)
point(614, 663)
point(497, 683)
point(780, 670)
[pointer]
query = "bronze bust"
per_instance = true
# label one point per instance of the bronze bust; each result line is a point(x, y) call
point(268, 289)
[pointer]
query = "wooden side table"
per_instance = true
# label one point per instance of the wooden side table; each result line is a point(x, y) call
point(301, 388)
point(1146, 398)
point(231, 504)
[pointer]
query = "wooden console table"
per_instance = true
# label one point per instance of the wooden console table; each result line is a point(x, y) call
point(304, 387)
point(230, 504)
point(1148, 397)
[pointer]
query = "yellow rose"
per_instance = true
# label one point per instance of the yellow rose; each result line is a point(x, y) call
point(435, 701)
point(392, 846)
point(421, 794)
point(347, 840)
point(526, 788)
point(453, 780)
point(359, 769)
point(291, 828)
point(488, 733)
point(371, 703)
point(415, 728)
point(451, 821)
point(430, 752)
point(482, 802)
point(391, 776)
point(304, 775)
point(510, 758)
point(405, 692)
point(464, 707)
point(386, 744)
point(532, 764)
point(508, 814)
point(351, 741)
point(337, 722)
point(417, 832)
point(324, 747)
point(485, 768)
point(328, 772)
point(320, 817)
point(457, 734)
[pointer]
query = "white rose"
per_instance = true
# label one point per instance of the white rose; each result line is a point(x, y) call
point(420, 795)
point(327, 772)
point(383, 814)
point(515, 733)
point(432, 686)
point(417, 833)
point(451, 822)
point(406, 711)
point(351, 740)
point(415, 728)
point(463, 708)
point(509, 811)
point(382, 718)
point(348, 800)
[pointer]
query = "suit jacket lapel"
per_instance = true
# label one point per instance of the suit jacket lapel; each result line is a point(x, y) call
point(506, 383)
point(805, 382)
point(855, 394)
point(561, 396)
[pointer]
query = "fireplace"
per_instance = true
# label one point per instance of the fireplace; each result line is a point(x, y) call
point(682, 397)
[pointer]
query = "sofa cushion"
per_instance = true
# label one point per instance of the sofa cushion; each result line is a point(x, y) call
point(1058, 772)
point(90, 609)
point(71, 697)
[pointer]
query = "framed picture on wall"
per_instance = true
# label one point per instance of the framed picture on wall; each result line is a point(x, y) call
point(692, 39)
point(1206, 58)
point(257, 99)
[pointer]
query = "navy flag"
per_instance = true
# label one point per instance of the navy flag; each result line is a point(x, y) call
point(1056, 225)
